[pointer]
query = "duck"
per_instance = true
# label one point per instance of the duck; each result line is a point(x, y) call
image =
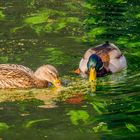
point(18, 76)
point(101, 60)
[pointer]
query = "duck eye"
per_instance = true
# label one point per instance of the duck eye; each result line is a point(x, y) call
point(51, 73)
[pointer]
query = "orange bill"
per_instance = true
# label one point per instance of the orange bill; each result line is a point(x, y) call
point(57, 83)
point(77, 71)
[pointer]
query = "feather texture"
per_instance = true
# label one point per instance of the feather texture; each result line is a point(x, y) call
point(19, 76)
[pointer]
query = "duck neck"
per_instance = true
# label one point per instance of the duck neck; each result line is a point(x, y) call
point(40, 83)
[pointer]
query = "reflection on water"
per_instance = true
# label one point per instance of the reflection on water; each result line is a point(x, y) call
point(41, 32)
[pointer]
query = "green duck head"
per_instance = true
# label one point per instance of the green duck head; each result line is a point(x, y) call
point(94, 65)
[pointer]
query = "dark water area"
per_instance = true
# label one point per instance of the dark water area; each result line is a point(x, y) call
point(33, 33)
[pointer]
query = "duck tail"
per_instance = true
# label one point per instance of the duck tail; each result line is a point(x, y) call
point(107, 42)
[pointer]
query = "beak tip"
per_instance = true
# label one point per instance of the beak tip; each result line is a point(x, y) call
point(57, 83)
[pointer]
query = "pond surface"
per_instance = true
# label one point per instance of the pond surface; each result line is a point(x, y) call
point(33, 33)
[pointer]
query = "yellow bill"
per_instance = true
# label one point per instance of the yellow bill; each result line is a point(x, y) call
point(57, 83)
point(92, 75)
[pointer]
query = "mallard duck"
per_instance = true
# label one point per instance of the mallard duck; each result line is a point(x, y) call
point(101, 60)
point(19, 76)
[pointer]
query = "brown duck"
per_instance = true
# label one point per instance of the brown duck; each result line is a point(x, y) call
point(19, 76)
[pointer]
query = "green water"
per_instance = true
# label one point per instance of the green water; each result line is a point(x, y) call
point(33, 33)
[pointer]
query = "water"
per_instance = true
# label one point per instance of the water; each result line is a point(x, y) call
point(33, 33)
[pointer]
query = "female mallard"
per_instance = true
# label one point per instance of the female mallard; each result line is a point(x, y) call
point(101, 60)
point(18, 76)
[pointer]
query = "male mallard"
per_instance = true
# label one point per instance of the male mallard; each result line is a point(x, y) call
point(19, 76)
point(101, 60)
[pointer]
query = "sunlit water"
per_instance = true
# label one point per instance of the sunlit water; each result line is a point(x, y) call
point(33, 33)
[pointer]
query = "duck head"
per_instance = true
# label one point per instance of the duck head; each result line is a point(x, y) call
point(48, 73)
point(94, 65)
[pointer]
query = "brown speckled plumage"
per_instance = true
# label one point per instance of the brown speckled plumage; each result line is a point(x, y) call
point(18, 76)
point(17, 67)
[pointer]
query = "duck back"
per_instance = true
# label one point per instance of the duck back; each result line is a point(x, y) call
point(14, 78)
point(18, 67)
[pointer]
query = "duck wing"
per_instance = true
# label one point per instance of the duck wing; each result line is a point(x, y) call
point(117, 61)
point(15, 78)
